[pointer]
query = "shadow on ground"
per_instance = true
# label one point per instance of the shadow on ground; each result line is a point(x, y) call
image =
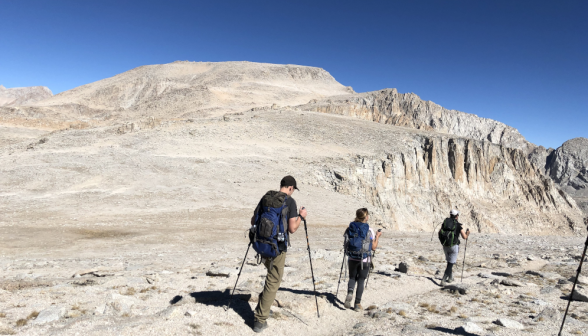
point(458, 331)
point(238, 303)
point(331, 298)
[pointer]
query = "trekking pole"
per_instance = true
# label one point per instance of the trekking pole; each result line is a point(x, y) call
point(311, 270)
point(574, 287)
point(371, 266)
point(370, 270)
point(435, 229)
point(464, 255)
point(340, 273)
point(243, 263)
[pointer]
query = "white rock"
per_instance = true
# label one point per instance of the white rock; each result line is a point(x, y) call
point(49, 315)
point(510, 324)
point(471, 328)
point(582, 280)
point(171, 312)
point(119, 305)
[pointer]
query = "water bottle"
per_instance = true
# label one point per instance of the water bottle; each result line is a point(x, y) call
point(281, 237)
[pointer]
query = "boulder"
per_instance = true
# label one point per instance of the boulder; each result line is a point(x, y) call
point(470, 328)
point(49, 315)
point(510, 324)
point(582, 280)
point(580, 294)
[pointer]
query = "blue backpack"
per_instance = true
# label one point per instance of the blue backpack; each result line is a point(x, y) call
point(358, 241)
point(271, 222)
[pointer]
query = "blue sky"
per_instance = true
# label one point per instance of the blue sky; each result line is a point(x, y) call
point(520, 62)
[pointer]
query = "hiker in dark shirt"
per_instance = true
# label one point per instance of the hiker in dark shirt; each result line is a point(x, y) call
point(452, 229)
point(275, 267)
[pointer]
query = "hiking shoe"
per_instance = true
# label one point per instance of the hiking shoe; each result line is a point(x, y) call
point(348, 301)
point(259, 326)
point(450, 280)
point(358, 307)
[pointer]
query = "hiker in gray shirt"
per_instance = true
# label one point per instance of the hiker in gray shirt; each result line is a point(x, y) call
point(449, 237)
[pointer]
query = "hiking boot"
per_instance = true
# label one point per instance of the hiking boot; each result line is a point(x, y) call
point(348, 301)
point(443, 281)
point(259, 326)
point(450, 280)
point(358, 307)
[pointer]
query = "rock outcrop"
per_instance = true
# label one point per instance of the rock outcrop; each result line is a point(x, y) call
point(23, 95)
point(496, 188)
point(408, 110)
point(568, 167)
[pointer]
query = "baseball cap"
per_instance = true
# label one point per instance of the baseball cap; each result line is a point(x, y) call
point(454, 212)
point(288, 181)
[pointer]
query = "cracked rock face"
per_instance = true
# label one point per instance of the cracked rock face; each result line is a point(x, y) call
point(413, 187)
point(409, 110)
point(568, 167)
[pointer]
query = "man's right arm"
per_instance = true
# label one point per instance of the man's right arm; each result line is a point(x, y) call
point(465, 234)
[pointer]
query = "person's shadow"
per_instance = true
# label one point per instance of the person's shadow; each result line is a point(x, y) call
point(239, 302)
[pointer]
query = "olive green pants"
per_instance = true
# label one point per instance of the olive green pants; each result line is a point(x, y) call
point(272, 284)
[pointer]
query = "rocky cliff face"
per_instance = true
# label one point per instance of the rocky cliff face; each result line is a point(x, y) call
point(408, 110)
point(23, 95)
point(568, 167)
point(495, 187)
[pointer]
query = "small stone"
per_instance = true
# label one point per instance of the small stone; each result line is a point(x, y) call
point(49, 315)
point(190, 313)
point(359, 325)
point(548, 289)
point(461, 288)
point(84, 272)
point(470, 328)
point(580, 294)
point(403, 267)
point(170, 312)
point(509, 282)
point(423, 259)
point(510, 324)
point(220, 272)
point(548, 314)
point(502, 274)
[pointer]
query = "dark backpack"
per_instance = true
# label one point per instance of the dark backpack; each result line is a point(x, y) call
point(447, 232)
point(358, 242)
point(271, 221)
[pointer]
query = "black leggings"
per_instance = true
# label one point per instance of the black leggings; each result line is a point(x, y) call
point(356, 274)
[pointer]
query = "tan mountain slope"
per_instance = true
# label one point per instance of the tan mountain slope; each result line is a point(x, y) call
point(408, 178)
point(186, 90)
point(23, 95)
